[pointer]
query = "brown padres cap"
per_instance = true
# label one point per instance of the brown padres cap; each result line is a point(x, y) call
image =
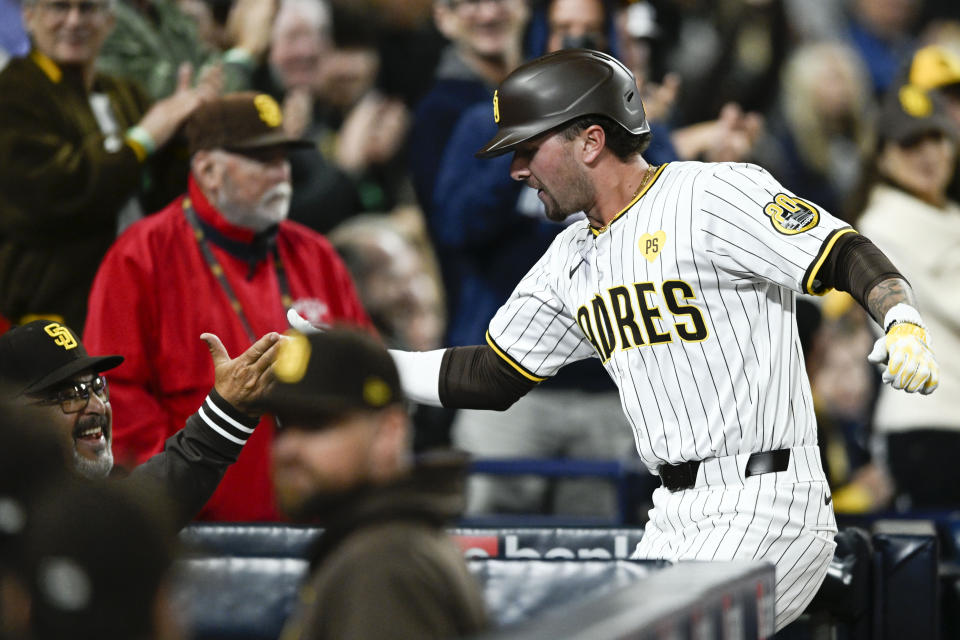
point(327, 375)
point(239, 121)
point(558, 88)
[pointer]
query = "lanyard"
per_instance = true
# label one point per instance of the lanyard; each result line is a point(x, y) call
point(217, 270)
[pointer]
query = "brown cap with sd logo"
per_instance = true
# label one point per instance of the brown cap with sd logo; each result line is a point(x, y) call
point(244, 120)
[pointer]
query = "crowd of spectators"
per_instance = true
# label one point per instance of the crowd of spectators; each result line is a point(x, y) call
point(167, 167)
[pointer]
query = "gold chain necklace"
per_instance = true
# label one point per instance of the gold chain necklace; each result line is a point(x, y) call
point(651, 169)
point(646, 178)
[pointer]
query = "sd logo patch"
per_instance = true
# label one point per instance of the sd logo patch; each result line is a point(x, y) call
point(268, 110)
point(61, 335)
point(790, 215)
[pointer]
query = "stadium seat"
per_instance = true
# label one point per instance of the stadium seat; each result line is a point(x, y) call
point(908, 594)
point(846, 595)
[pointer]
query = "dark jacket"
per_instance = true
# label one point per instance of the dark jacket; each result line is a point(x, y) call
point(195, 458)
point(486, 236)
point(386, 568)
point(457, 88)
point(62, 185)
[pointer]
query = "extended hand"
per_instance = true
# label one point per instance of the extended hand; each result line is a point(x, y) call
point(372, 132)
point(909, 362)
point(244, 380)
point(164, 118)
point(250, 24)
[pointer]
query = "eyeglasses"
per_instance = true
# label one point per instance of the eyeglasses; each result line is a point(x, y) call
point(87, 8)
point(76, 397)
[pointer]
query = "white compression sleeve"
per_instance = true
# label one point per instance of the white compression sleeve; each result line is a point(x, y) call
point(420, 374)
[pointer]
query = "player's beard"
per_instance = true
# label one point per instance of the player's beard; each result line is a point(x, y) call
point(304, 493)
point(575, 194)
point(271, 209)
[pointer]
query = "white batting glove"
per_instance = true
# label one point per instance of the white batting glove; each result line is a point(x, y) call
point(910, 364)
point(300, 323)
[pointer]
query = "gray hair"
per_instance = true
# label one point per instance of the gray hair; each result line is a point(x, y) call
point(316, 12)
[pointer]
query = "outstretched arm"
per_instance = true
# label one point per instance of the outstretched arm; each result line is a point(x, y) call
point(886, 295)
point(857, 266)
point(195, 458)
point(458, 378)
point(904, 351)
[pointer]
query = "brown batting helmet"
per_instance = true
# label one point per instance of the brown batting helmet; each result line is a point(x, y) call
point(559, 87)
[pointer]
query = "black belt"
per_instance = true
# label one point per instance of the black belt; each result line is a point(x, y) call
point(676, 477)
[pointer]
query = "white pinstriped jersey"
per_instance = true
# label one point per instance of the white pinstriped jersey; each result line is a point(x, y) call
point(688, 299)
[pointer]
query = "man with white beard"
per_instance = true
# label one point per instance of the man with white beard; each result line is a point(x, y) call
point(221, 259)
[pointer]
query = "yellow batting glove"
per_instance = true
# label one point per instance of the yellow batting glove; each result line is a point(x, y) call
point(910, 364)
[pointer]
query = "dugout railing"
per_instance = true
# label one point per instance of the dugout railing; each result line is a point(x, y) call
point(240, 581)
point(250, 598)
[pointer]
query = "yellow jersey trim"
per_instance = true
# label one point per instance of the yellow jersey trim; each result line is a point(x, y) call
point(509, 360)
point(823, 257)
point(48, 66)
point(636, 199)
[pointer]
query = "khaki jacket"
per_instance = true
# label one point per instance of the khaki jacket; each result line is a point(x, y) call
point(62, 185)
point(385, 567)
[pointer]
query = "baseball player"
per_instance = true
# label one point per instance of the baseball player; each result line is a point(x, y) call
point(683, 282)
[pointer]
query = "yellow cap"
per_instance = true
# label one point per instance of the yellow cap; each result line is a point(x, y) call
point(934, 67)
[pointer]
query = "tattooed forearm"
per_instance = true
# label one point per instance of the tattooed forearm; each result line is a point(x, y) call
point(887, 293)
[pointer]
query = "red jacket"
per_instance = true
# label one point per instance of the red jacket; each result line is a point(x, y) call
point(155, 294)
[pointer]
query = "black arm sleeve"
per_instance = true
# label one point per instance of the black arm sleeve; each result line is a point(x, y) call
point(477, 378)
point(195, 458)
point(853, 264)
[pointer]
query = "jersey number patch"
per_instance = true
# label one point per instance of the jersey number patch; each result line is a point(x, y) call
point(791, 215)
